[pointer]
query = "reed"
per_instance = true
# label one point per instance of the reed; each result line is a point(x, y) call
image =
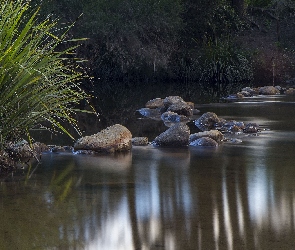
point(39, 74)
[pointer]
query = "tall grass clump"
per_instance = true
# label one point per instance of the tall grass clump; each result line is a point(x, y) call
point(39, 75)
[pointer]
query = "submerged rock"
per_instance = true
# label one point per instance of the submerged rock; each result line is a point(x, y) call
point(112, 139)
point(175, 136)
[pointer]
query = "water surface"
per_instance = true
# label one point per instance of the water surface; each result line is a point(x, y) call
point(238, 196)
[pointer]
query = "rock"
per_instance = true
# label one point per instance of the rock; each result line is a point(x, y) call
point(252, 91)
point(155, 103)
point(207, 121)
point(196, 111)
point(6, 163)
point(175, 136)
point(232, 126)
point(60, 149)
point(23, 150)
point(168, 101)
point(140, 141)
point(268, 90)
point(191, 104)
point(150, 113)
point(290, 91)
point(234, 96)
point(112, 139)
point(213, 134)
point(181, 108)
point(173, 117)
point(245, 93)
point(204, 142)
point(251, 128)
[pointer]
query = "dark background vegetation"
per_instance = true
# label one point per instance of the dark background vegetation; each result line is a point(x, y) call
point(199, 49)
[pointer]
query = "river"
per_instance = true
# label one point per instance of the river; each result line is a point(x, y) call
point(237, 196)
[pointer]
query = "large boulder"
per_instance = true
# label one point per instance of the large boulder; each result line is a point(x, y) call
point(175, 136)
point(207, 121)
point(268, 90)
point(213, 134)
point(112, 139)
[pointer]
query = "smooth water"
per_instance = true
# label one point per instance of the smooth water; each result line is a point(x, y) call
point(238, 196)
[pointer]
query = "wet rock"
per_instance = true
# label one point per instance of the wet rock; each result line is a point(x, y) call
point(150, 113)
point(168, 101)
point(155, 103)
point(140, 141)
point(268, 90)
point(207, 121)
point(196, 111)
point(204, 142)
point(251, 91)
point(232, 126)
point(251, 128)
point(23, 150)
point(175, 136)
point(112, 139)
point(170, 116)
point(245, 93)
point(234, 96)
point(213, 134)
point(181, 108)
point(290, 91)
point(60, 149)
point(6, 163)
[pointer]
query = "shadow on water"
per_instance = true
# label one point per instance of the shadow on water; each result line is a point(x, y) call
point(237, 196)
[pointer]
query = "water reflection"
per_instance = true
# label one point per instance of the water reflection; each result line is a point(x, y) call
point(239, 196)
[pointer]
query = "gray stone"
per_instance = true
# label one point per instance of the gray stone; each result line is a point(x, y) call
point(204, 142)
point(175, 136)
point(251, 128)
point(213, 134)
point(168, 101)
point(268, 90)
point(150, 113)
point(181, 108)
point(112, 139)
point(207, 121)
point(170, 116)
point(140, 141)
point(155, 103)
